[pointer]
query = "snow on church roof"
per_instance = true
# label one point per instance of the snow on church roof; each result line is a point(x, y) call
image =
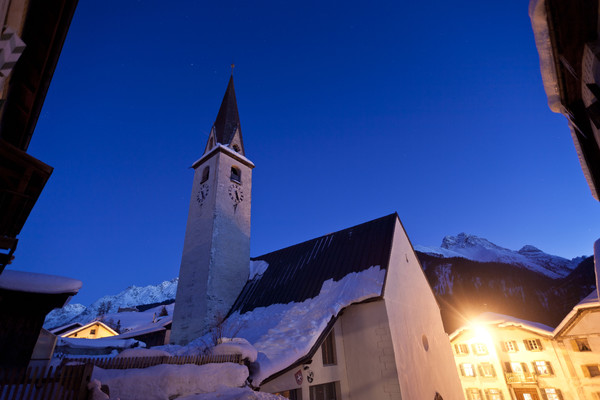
point(297, 273)
point(291, 302)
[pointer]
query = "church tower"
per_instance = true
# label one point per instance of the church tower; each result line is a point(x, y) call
point(216, 249)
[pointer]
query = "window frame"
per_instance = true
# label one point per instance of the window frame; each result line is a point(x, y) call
point(587, 372)
point(546, 364)
point(476, 391)
point(205, 174)
point(497, 395)
point(482, 370)
point(555, 395)
point(459, 347)
point(472, 368)
point(510, 346)
point(533, 344)
point(335, 386)
point(480, 349)
point(328, 350)
point(236, 174)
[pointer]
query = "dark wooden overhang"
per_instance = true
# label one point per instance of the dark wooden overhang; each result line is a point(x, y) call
point(22, 177)
point(572, 24)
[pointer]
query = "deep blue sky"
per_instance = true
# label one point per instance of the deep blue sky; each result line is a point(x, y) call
point(350, 112)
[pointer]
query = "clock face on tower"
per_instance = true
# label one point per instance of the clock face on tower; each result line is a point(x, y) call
point(202, 194)
point(236, 194)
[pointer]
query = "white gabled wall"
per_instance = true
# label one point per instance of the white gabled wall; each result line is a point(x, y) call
point(414, 317)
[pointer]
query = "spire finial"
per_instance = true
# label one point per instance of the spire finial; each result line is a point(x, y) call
point(232, 67)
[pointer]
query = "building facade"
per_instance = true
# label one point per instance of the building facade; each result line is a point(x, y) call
point(501, 357)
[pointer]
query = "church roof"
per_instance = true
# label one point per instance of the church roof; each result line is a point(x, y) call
point(297, 273)
point(228, 119)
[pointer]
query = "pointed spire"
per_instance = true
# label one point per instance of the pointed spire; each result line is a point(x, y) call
point(228, 119)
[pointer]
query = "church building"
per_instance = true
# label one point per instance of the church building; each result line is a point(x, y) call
point(348, 315)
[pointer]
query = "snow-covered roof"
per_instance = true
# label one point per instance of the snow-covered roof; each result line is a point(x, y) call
point(225, 149)
point(503, 321)
point(32, 282)
point(539, 22)
point(297, 292)
point(81, 328)
point(590, 301)
point(65, 328)
point(297, 273)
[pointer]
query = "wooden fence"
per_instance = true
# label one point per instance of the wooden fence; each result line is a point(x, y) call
point(68, 382)
point(145, 362)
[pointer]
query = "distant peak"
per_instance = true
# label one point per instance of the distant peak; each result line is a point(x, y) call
point(463, 240)
point(529, 249)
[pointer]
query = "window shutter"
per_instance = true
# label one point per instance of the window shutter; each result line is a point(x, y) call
point(586, 372)
point(526, 343)
point(525, 368)
point(503, 344)
point(544, 395)
point(539, 343)
point(474, 347)
point(550, 370)
point(462, 370)
point(559, 394)
point(493, 370)
point(534, 367)
point(480, 369)
point(507, 367)
point(574, 345)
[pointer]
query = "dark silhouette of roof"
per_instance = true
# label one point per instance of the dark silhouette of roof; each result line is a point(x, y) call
point(297, 273)
point(228, 119)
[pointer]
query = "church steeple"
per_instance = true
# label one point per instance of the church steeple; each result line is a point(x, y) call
point(216, 248)
point(227, 129)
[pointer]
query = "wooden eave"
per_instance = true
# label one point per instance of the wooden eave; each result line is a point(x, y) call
point(44, 32)
point(572, 24)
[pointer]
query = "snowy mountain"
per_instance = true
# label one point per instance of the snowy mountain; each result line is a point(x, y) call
point(479, 249)
point(130, 297)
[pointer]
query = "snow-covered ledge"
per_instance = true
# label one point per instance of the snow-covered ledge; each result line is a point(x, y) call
point(32, 282)
point(219, 147)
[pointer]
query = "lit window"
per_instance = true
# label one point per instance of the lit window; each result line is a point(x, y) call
point(510, 346)
point(582, 345)
point(467, 369)
point(205, 174)
point(461, 349)
point(533, 344)
point(480, 348)
point(552, 394)
point(294, 394)
point(328, 350)
point(494, 394)
point(474, 394)
point(591, 370)
point(487, 370)
point(326, 391)
point(543, 368)
point(236, 174)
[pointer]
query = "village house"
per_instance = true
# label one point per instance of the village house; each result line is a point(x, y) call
point(502, 357)
point(346, 315)
point(92, 330)
point(578, 341)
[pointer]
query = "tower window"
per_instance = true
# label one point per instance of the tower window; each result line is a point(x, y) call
point(236, 148)
point(205, 174)
point(236, 174)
